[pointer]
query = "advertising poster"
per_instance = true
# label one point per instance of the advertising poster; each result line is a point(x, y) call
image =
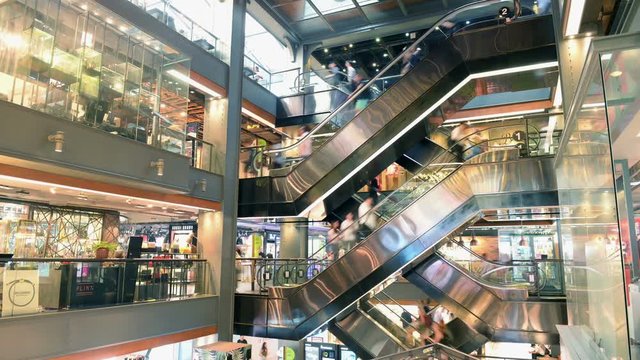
point(20, 292)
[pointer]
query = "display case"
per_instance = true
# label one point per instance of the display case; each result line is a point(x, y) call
point(91, 60)
point(65, 66)
point(40, 44)
point(88, 86)
point(112, 81)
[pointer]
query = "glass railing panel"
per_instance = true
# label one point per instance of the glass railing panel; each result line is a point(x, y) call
point(364, 92)
point(541, 277)
point(255, 275)
point(184, 25)
point(36, 286)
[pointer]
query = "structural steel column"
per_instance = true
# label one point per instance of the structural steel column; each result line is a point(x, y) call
point(230, 183)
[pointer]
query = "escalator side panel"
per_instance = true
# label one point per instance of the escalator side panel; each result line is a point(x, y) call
point(416, 136)
point(480, 308)
point(473, 44)
point(462, 337)
point(443, 59)
point(364, 336)
point(409, 235)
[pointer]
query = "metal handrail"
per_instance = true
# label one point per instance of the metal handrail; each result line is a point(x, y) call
point(355, 94)
point(418, 173)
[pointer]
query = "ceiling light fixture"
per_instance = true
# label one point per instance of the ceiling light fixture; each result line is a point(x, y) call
point(350, 45)
point(377, 39)
point(5, 187)
point(574, 19)
point(616, 73)
point(52, 190)
point(326, 51)
point(58, 140)
point(159, 166)
point(203, 184)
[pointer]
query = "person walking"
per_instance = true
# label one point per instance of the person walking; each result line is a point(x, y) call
point(333, 239)
point(349, 232)
point(367, 218)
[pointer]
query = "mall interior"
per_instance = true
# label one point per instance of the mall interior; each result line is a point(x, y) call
point(319, 179)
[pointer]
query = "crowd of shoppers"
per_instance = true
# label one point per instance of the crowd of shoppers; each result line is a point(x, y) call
point(343, 236)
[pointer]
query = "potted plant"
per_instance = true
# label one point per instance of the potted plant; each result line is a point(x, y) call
point(103, 249)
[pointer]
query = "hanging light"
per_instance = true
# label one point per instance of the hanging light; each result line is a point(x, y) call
point(460, 241)
point(473, 242)
point(450, 242)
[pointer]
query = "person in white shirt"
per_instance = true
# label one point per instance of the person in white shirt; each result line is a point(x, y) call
point(351, 71)
point(367, 219)
point(349, 232)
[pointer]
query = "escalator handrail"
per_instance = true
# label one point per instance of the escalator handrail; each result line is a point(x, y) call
point(434, 161)
point(498, 266)
point(390, 196)
point(483, 282)
point(354, 95)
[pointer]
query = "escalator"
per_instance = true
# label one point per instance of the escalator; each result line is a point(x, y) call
point(497, 312)
point(518, 302)
point(412, 222)
point(355, 145)
point(370, 333)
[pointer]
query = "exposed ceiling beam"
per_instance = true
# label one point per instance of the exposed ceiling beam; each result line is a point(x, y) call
point(397, 26)
point(321, 15)
point(361, 11)
point(402, 7)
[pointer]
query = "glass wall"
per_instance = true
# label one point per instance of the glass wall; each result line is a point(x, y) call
point(596, 173)
point(88, 66)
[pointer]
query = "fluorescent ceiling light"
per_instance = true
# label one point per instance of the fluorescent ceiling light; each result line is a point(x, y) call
point(493, 117)
point(420, 118)
point(96, 192)
point(575, 17)
point(557, 97)
point(606, 57)
point(634, 183)
point(593, 105)
point(258, 118)
point(182, 77)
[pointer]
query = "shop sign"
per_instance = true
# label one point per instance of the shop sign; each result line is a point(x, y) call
point(85, 289)
point(20, 292)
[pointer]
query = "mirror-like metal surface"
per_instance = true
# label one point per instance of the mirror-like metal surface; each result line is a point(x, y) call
point(497, 315)
point(374, 128)
point(365, 336)
point(297, 311)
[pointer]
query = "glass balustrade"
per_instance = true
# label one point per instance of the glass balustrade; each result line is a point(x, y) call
point(35, 286)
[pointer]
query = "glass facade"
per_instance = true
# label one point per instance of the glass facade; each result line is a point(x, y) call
point(87, 66)
point(596, 181)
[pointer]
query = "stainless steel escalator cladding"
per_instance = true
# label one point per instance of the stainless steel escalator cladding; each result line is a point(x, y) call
point(452, 203)
point(497, 313)
point(387, 125)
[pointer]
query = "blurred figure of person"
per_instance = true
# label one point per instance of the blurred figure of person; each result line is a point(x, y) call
point(264, 352)
point(304, 149)
point(468, 141)
point(278, 159)
point(362, 99)
point(407, 325)
point(333, 239)
point(374, 189)
point(349, 232)
point(367, 218)
point(256, 74)
point(517, 11)
point(335, 79)
point(351, 71)
point(425, 324)
point(409, 60)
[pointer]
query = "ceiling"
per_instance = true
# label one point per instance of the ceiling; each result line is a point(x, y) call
point(136, 209)
point(314, 21)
